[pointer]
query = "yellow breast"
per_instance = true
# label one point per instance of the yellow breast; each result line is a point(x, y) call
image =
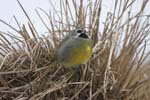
point(79, 55)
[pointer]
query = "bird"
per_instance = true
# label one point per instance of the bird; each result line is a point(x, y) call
point(75, 49)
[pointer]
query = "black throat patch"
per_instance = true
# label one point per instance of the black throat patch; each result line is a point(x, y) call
point(83, 35)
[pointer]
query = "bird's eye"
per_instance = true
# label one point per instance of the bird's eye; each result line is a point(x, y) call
point(79, 31)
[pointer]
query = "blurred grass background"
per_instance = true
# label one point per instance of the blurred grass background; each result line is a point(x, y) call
point(118, 69)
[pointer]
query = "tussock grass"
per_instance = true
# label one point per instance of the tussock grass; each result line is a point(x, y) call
point(119, 67)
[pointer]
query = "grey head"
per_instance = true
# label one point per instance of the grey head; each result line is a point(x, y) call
point(77, 31)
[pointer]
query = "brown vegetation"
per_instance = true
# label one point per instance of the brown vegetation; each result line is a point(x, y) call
point(118, 70)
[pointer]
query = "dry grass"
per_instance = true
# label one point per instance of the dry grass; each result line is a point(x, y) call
point(118, 70)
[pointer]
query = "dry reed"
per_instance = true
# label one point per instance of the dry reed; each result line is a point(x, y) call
point(118, 70)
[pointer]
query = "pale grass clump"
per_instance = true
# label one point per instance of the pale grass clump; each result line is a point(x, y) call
point(118, 69)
